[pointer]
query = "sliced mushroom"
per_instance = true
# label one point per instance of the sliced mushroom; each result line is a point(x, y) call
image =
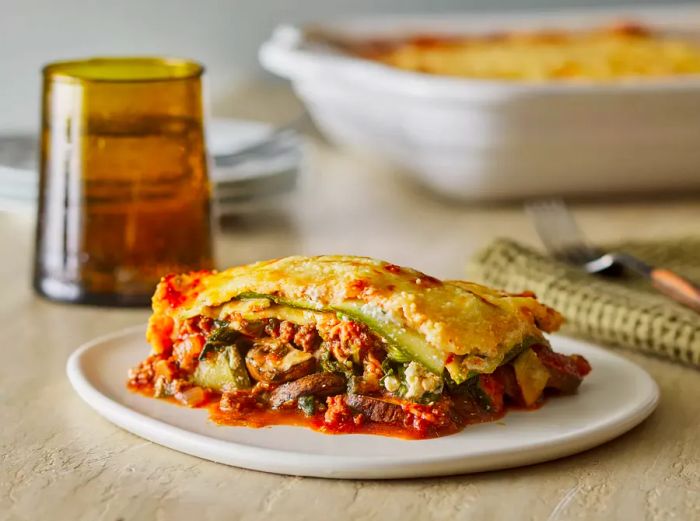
point(375, 409)
point(273, 361)
point(363, 385)
point(317, 384)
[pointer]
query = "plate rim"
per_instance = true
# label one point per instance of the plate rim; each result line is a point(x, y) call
point(351, 467)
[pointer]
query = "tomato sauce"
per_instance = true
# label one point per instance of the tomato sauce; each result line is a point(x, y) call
point(461, 415)
point(251, 408)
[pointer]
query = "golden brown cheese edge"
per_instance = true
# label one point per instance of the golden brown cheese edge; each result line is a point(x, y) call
point(457, 317)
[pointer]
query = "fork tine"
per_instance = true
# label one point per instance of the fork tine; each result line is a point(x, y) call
point(545, 215)
point(559, 232)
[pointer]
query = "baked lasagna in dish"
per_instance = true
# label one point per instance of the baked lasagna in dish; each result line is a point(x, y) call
point(605, 54)
point(350, 345)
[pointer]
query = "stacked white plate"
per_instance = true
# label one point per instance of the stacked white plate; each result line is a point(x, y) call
point(249, 166)
point(18, 178)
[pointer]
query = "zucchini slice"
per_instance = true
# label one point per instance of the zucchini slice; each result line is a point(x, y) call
point(222, 370)
point(532, 376)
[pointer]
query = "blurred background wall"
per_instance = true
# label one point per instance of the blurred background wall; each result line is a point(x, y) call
point(224, 34)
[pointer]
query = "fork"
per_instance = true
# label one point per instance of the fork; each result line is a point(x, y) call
point(562, 237)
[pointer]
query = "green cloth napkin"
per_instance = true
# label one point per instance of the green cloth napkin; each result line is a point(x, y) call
point(626, 312)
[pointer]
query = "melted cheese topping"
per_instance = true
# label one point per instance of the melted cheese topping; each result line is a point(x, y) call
point(455, 317)
point(626, 51)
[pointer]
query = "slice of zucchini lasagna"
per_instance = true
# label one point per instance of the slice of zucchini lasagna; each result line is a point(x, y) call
point(350, 344)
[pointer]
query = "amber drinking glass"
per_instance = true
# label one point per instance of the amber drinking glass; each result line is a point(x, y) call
point(124, 195)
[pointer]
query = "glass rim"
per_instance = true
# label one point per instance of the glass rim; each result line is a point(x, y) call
point(123, 69)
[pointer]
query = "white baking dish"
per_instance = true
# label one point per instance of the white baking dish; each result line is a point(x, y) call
point(479, 139)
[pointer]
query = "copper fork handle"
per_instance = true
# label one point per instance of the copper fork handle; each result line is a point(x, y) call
point(678, 288)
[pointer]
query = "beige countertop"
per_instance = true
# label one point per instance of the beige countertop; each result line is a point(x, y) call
point(60, 460)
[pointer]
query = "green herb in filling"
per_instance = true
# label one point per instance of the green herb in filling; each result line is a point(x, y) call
point(307, 404)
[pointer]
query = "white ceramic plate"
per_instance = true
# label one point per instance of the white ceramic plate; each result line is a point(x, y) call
point(615, 397)
point(230, 135)
point(273, 173)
